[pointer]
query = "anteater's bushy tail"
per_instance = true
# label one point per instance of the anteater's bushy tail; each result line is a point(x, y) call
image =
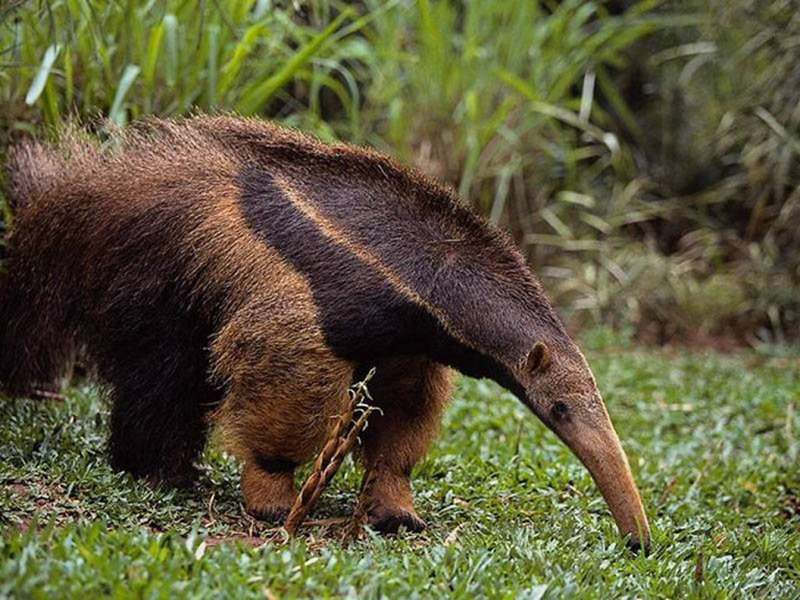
point(31, 168)
point(32, 349)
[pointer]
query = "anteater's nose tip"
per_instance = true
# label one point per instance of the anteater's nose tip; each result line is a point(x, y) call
point(636, 546)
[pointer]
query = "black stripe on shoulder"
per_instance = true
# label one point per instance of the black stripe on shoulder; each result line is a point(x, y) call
point(362, 316)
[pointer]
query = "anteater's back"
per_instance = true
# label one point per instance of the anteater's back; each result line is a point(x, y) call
point(174, 225)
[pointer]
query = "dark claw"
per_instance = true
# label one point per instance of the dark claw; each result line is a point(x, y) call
point(388, 520)
point(636, 546)
point(270, 514)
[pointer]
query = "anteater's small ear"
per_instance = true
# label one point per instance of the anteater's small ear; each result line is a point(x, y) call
point(538, 358)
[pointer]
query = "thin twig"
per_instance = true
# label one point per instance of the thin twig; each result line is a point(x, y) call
point(698, 568)
point(302, 504)
point(318, 481)
point(354, 528)
point(35, 395)
point(45, 395)
point(340, 443)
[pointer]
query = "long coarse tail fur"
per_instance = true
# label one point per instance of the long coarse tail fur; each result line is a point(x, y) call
point(31, 168)
point(34, 350)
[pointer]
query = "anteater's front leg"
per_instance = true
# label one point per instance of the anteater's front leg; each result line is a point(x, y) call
point(412, 392)
point(283, 388)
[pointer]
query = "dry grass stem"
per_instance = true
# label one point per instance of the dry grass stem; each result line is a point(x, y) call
point(41, 395)
point(341, 441)
point(354, 527)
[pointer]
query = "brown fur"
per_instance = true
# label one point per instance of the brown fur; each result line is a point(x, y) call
point(412, 393)
point(226, 268)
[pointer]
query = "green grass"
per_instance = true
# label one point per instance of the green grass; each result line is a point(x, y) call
point(713, 441)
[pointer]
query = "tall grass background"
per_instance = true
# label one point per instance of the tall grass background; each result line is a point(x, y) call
point(644, 154)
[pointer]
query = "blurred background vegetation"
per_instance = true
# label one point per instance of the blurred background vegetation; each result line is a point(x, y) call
point(644, 154)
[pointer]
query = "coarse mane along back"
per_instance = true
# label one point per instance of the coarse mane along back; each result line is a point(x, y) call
point(396, 265)
point(378, 240)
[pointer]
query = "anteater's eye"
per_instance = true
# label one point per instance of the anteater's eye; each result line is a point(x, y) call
point(559, 409)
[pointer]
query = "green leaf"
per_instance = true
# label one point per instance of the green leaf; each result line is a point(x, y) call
point(259, 95)
point(117, 114)
point(39, 81)
point(171, 29)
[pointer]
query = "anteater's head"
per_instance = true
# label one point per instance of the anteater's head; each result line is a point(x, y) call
point(555, 381)
point(501, 325)
point(493, 299)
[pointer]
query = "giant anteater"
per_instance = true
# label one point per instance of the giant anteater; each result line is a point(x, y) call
point(217, 269)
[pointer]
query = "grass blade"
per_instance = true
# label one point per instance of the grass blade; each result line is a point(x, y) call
point(211, 69)
point(258, 96)
point(242, 50)
point(39, 81)
point(117, 114)
point(151, 58)
point(171, 30)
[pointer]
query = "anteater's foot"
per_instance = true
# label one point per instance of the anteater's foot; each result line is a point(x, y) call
point(268, 496)
point(390, 519)
point(390, 505)
point(182, 480)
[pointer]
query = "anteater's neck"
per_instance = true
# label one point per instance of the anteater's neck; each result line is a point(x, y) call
point(396, 266)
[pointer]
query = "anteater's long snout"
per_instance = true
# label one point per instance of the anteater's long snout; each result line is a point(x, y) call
point(597, 446)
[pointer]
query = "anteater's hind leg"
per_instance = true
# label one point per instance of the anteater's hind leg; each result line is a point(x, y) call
point(159, 437)
point(158, 417)
point(284, 386)
point(412, 393)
